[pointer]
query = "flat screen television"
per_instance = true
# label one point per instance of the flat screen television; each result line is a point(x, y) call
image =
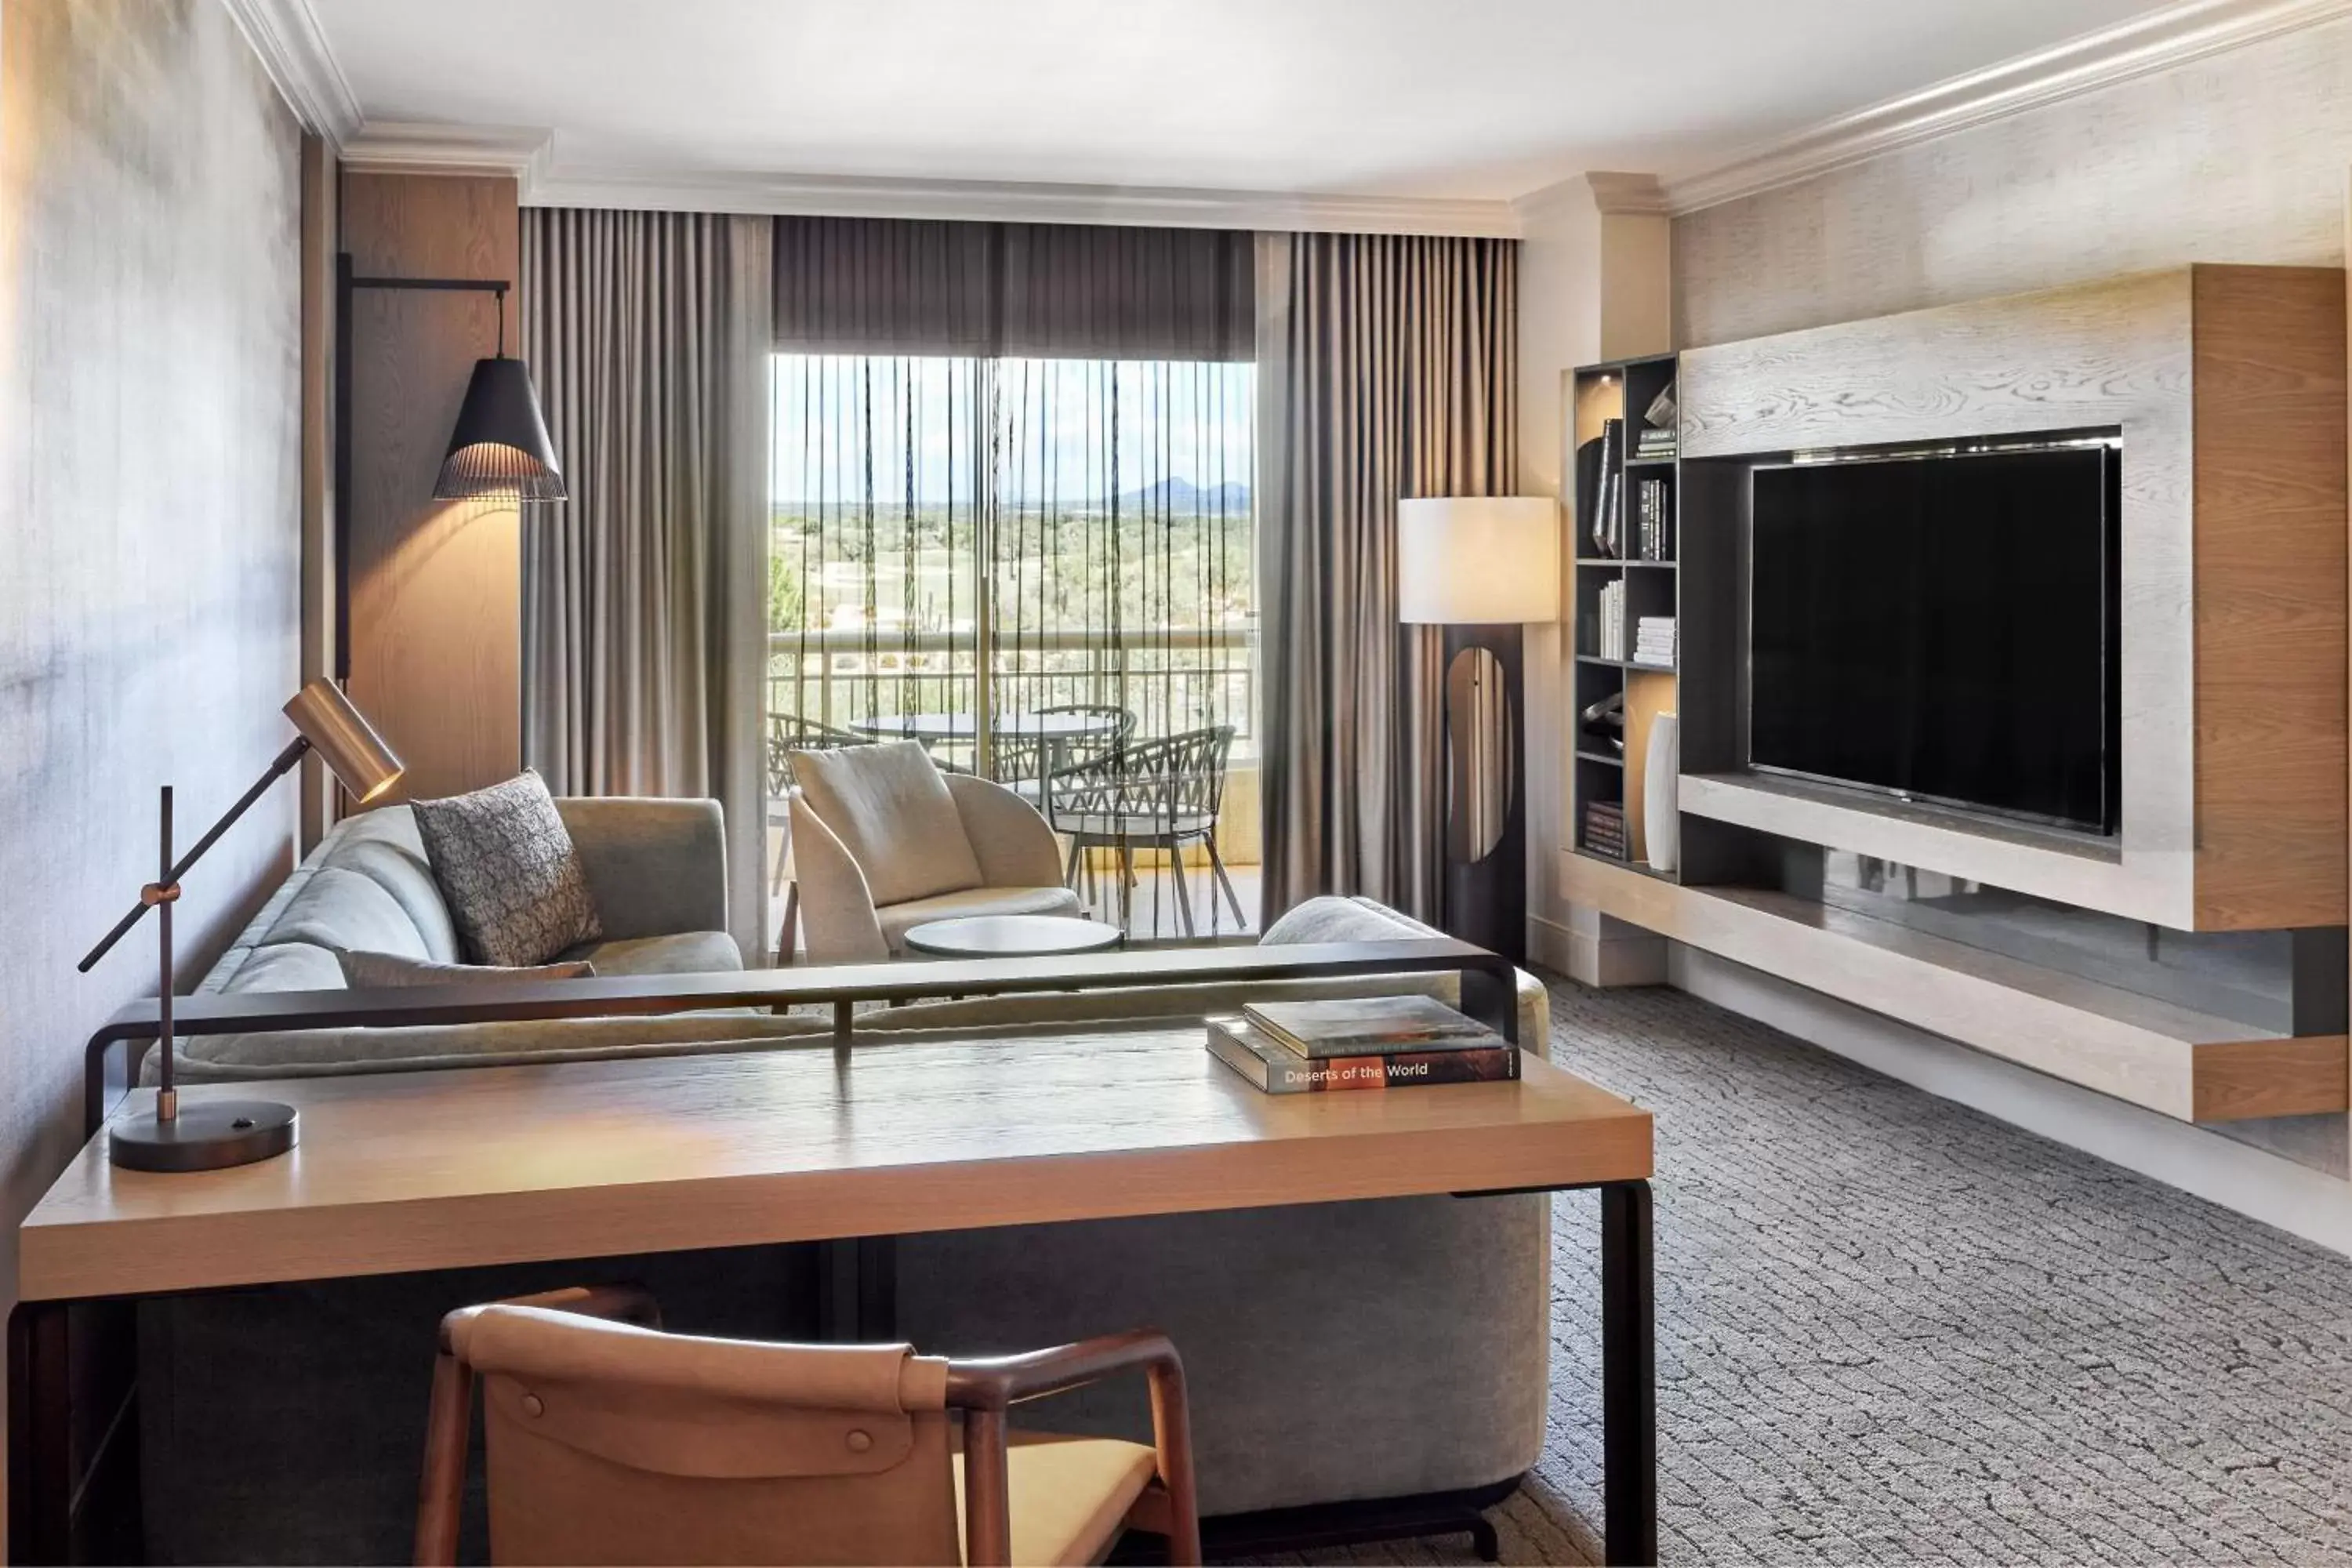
point(1941, 627)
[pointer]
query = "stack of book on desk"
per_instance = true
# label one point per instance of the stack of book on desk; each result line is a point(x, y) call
point(1370, 1042)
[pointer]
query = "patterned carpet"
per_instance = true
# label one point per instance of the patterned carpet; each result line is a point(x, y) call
point(1891, 1330)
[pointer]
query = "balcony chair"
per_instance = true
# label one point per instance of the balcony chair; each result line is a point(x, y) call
point(1161, 794)
point(787, 733)
point(612, 1442)
point(883, 840)
point(1022, 759)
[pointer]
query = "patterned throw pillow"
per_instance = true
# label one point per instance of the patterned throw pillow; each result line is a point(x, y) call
point(509, 872)
point(372, 971)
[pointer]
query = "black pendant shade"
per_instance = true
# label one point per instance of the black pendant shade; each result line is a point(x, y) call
point(501, 446)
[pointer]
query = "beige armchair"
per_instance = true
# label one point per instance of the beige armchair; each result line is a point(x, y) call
point(883, 841)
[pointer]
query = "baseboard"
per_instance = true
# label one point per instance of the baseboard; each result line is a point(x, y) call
point(2294, 1198)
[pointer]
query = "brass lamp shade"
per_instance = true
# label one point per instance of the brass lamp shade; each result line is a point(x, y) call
point(345, 742)
point(501, 446)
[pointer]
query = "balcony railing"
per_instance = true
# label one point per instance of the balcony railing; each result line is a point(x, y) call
point(1171, 679)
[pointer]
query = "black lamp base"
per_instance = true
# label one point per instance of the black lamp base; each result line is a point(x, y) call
point(210, 1135)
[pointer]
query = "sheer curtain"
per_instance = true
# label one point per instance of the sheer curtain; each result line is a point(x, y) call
point(1011, 471)
point(1388, 368)
point(649, 335)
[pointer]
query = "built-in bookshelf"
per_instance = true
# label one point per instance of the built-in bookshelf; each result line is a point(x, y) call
point(1626, 491)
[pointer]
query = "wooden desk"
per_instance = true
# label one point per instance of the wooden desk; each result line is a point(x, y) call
point(422, 1171)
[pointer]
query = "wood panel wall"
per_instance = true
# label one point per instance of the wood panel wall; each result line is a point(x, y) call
point(435, 586)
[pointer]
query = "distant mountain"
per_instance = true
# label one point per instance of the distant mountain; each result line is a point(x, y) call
point(1182, 496)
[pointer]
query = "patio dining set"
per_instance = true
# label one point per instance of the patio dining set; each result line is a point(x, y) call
point(1097, 784)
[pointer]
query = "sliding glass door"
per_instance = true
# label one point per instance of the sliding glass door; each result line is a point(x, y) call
point(1026, 563)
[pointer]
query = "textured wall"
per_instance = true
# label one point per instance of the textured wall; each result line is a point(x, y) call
point(149, 465)
point(2240, 157)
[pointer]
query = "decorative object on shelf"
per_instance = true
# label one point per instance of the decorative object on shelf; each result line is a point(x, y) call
point(1605, 720)
point(1608, 508)
point(1482, 566)
point(1663, 411)
point(218, 1132)
point(1660, 826)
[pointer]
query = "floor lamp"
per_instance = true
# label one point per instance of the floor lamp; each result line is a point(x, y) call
point(1481, 567)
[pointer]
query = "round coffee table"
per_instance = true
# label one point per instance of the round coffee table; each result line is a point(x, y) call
point(1012, 936)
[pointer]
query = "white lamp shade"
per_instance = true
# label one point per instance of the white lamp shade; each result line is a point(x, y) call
point(1478, 560)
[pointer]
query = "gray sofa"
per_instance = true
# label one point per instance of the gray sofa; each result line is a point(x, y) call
point(1336, 1352)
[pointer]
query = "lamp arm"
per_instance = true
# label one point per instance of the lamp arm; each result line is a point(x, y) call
point(282, 764)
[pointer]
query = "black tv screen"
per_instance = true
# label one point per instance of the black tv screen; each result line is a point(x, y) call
point(1942, 628)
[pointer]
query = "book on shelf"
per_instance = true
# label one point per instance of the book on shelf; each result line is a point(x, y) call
point(1654, 527)
point(1368, 1026)
point(1608, 639)
point(1276, 1069)
point(1653, 640)
point(1604, 828)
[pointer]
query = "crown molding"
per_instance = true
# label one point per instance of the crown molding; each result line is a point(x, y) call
point(294, 51)
point(2158, 41)
point(527, 153)
point(1640, 195)
point(409, 147)
point(990, 201)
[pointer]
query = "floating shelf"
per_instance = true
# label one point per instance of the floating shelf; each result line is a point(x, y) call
point(2186, 1065)
point(1613, 564)
point(1604, 758)
point(1625, 664)
point(1651, 462)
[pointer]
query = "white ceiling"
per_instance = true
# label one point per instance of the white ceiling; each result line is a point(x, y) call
point(1436, 99)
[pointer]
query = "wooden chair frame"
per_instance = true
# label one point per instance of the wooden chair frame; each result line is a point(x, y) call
point(984, 1390)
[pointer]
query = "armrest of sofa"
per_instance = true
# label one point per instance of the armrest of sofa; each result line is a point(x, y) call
point(1340, 918)
point(655, 867)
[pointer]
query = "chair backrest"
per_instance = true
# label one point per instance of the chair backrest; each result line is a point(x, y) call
point(614, 1443)
point(894, 814)
point(789, 733)
point(1162, 781)
point(1016, 753)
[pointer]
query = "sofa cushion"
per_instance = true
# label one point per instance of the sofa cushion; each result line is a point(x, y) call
point(892, 811)
point(681, 952)
point(397, 864)
point(286, 966)
point(367, 971)
point(899, 918)
point(343, 909)
point(506, 867)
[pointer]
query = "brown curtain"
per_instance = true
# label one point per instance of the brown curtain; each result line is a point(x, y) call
point(644, 629)
point(1012, 290)
point(1387, 368)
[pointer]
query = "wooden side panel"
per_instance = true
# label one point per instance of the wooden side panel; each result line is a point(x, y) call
point(436, 590)
point(2270, 616)
point(2240, 1080)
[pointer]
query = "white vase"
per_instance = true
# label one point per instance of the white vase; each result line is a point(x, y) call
point(1660, 826)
